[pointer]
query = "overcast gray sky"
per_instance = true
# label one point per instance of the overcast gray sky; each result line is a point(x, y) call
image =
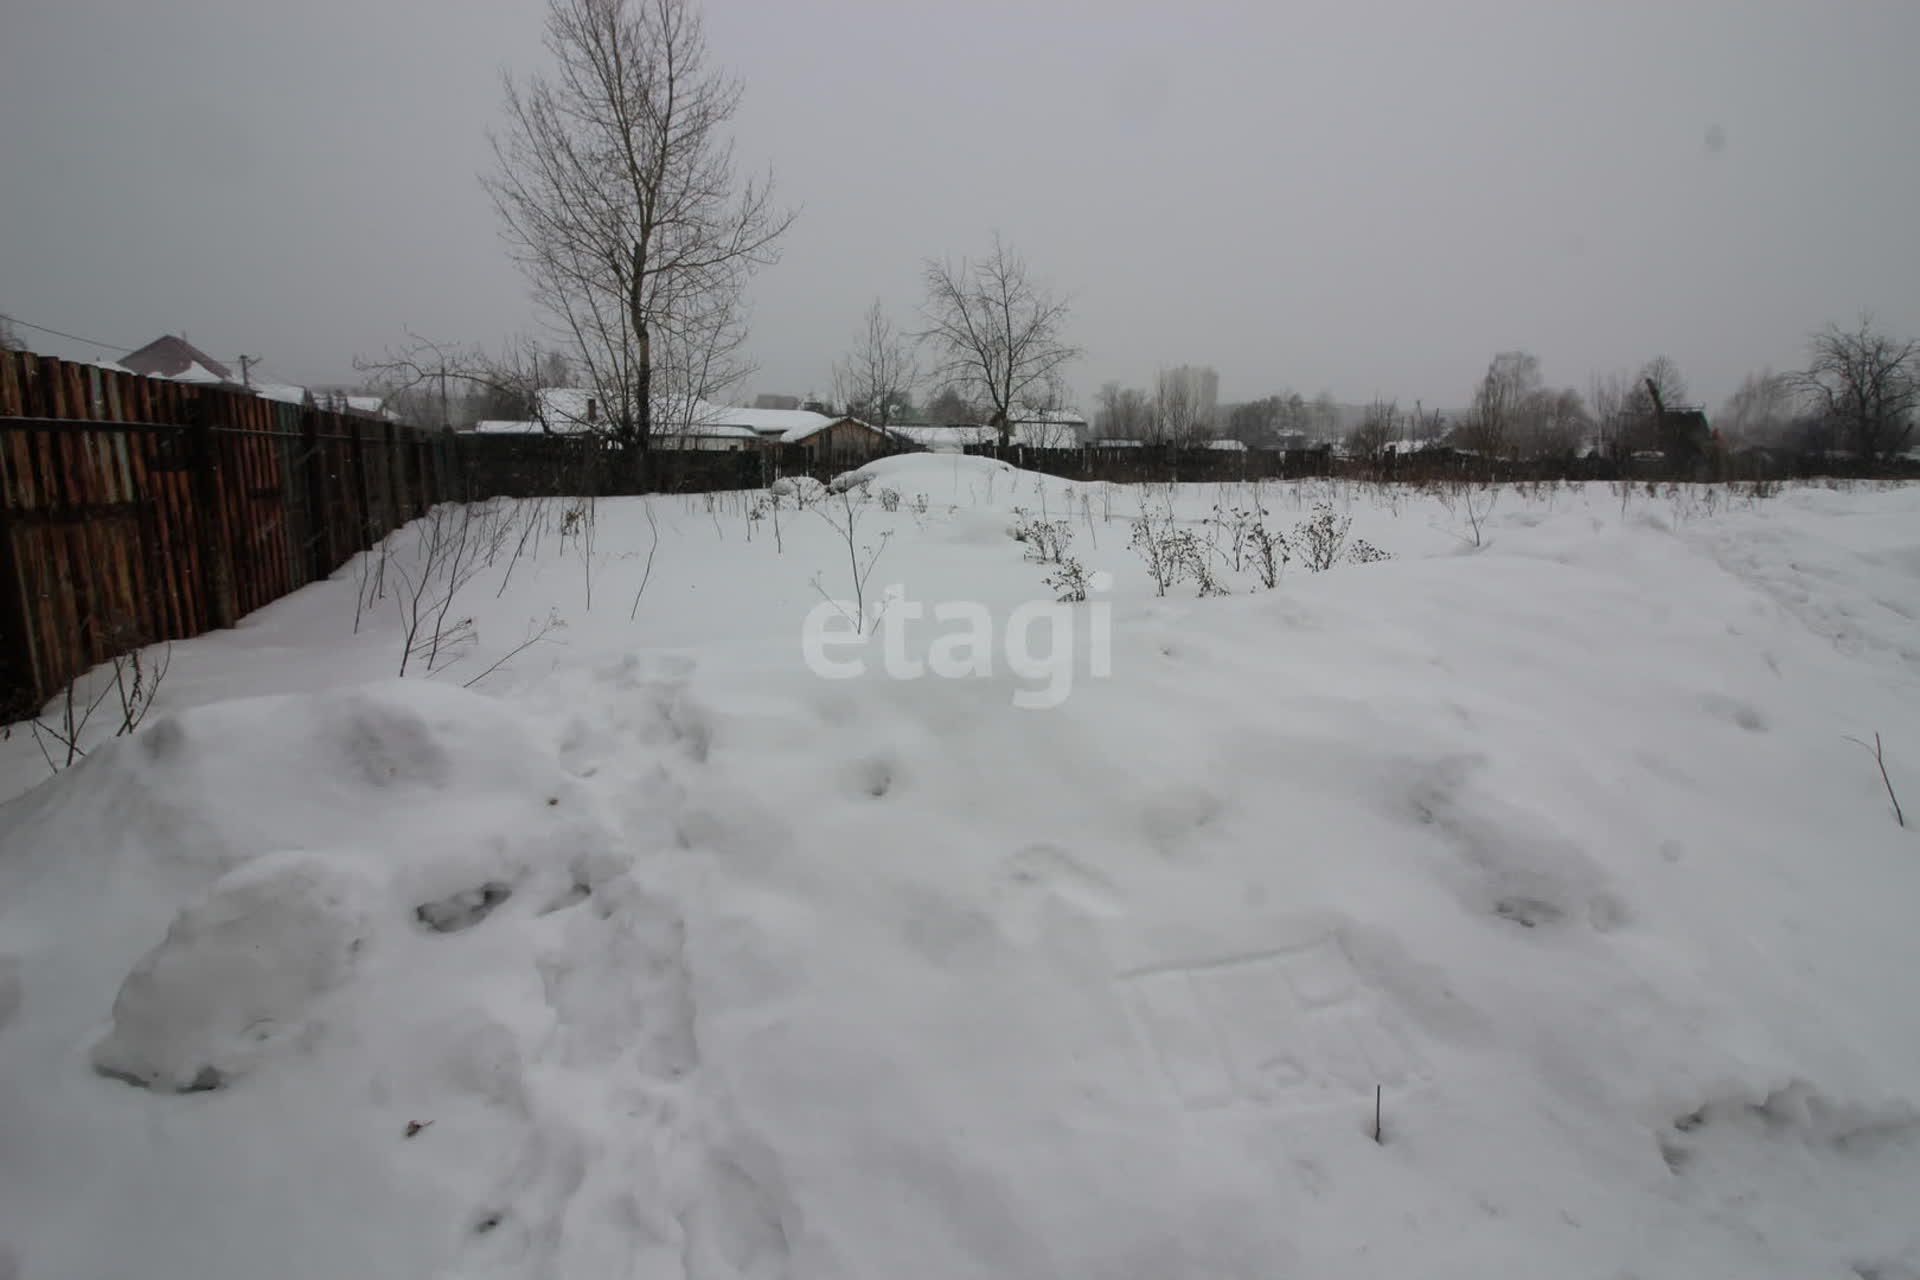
point(1370, 198)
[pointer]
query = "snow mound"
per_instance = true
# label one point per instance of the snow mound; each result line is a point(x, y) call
point(939, 475)
point(238, 974)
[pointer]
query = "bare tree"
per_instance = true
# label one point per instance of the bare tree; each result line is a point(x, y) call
point(1426, 424)
point(950, 405)
point(1552, 424)
point(422, 374)
point(1180, 409)
point(1608, 398)
point(9, 340)
point(1379, 428)
point(875, 380)
point(1123, 413)
point(998, 334)
point(1866, 385)
point(1323, 417)
point(1493, 425)
point(1760, 411)
point(616, 185)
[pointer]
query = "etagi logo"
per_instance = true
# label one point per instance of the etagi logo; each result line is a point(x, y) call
point(960, 640)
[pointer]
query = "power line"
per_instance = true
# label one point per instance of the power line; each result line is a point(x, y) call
point(58, 333)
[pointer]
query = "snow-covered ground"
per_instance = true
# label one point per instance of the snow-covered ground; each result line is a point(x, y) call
point(655, 953)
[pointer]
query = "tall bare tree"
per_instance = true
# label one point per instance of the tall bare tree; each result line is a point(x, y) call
point(1760, 411)
point(1181, 414)
point(1323, 417)
point(9, 340)
point(875, 380)
point(615, 181)
point(997, 333)
point(1493, 425)
point(1379, 427)
point(1610, 400)
point(1866, 384)
point(1552, 423)
point(1122, 413)
point(948, 406)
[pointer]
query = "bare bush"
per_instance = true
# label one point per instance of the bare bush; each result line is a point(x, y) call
point(1152, 541)
point(447, 556)
point(1268, 552)
point(1046, 541)
point(1069, 582)
point(1364, 552)
point(845, 521)
point(1321, 538)
point(135, 684)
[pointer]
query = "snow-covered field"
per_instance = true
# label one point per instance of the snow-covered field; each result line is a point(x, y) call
point(656, 953)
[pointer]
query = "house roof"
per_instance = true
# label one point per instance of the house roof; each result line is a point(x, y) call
point(709, 430)
point(1060, 417)
point(794, 435)
point(766, 422)
point(284, 393)
point(169, 356)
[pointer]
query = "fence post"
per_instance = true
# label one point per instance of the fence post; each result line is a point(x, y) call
point(19, 694)
point(320, 534)
point(209, 524)
point(357, 446)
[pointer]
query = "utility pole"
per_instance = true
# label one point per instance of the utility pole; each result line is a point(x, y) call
point(245, 380)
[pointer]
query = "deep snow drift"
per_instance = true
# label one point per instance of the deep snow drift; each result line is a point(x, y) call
point(657, 954)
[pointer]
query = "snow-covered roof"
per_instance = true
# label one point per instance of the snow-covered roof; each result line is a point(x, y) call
point(170, 356)
point(1058, 417)
point(766, 422)
point(567, 409)
point(505, 427)
point(707, 430)
point(794, 435)
point(283, 393)
point(1114, 444)
point(197, 373)
point(1228, 446)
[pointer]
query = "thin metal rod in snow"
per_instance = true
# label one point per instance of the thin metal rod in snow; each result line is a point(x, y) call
point(1880, 759)
point(1376, 1114)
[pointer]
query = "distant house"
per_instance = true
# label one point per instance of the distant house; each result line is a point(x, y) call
point(1048, 428)
point(706, 437)
point(839, 440)
point(706, 427)
point(1228, 446)
point(766, 400)
point(173, 357)
point(560, 411)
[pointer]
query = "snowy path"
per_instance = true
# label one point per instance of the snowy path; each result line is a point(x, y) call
point(694, 964)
